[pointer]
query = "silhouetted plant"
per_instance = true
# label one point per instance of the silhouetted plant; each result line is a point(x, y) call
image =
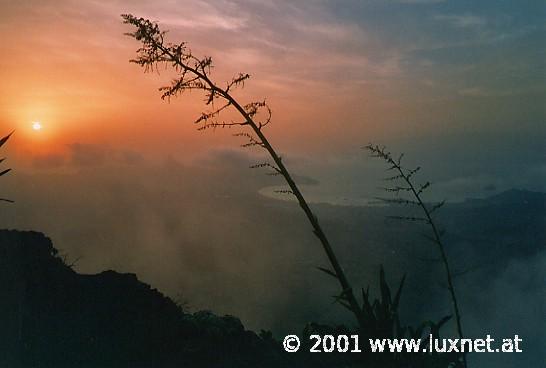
point(381, 316)
point(382, 321)
point(194, 73)
point(5, 171)
point(405, 176)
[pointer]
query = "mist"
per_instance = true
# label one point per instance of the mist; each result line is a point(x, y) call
point(203, 234)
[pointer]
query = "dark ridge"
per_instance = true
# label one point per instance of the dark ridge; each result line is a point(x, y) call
point(55, 317)
point(52, 316)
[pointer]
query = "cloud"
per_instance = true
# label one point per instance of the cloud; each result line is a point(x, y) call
point(496, 92)
point(333, 31)
point(48, 161)
point(208, 21)
point(87, 154)
point(482, 185)
point(130, 157)
point(475, 92)
point(514, 297)
point(462, 21)
point(81, 155)
point(490, 188)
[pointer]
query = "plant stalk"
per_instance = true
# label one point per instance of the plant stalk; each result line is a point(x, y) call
point(439, 243)
point(347, 291)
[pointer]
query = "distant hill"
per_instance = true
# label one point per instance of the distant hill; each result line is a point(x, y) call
point(507, 225)
point(515, 196)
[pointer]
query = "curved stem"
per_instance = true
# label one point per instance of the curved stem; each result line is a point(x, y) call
point(347, 292)
point(438, 241)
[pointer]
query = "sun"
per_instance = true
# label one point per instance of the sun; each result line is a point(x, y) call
point(36, 125)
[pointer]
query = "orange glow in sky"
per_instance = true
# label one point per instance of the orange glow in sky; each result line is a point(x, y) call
point(333, 83)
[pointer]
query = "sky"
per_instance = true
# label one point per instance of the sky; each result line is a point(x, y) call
point(120, 179)
point(420, 76)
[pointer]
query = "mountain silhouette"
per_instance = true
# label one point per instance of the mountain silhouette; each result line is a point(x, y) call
point(52, 316)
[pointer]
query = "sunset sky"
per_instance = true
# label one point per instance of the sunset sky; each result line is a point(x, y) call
point(337, 74)
point(120, 179)
point(458, 85)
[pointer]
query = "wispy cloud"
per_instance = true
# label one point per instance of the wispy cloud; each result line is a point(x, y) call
point(478, 91)
point(462, 21)
point(208, 21)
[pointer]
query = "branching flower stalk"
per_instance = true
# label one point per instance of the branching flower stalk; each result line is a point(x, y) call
point(194, 74)
point(405, 176)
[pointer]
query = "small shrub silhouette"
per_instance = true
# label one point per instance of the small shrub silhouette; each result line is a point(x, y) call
point(383, 322)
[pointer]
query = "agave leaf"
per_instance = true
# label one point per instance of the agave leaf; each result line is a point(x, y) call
point(343, 303)
point(5, 139)
point(396, 300)
point(443, 321)
point(342, 299)
point(435, 327)
point(378, 313)
point(366, 306)
point(385, 291)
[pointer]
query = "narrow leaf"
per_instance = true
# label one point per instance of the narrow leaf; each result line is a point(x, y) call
point(5, 172)
point(385, 291)
point(396, 300)
point(327, 271)
point(5, 139)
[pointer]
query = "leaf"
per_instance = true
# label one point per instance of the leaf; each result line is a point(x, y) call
point(385, 291)
point(366, 306)
point(5, 172)
point(5, 139)
point(396, 300)
point(327, 271)
point(443, 321)
point(342, 299)
point(343, 303)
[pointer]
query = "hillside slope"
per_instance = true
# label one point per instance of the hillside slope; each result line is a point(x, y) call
point(53, 317)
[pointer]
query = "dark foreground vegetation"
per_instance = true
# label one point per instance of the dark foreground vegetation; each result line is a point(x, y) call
point(55, 317)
